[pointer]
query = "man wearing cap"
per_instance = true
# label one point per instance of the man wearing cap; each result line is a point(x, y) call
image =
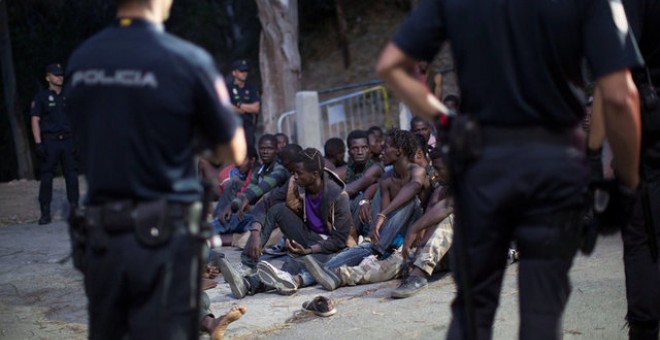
point(51, 128)
point(244, 98)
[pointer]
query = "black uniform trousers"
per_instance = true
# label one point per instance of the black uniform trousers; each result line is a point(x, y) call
point(642, 271)
point(519, 192)
point(145, 292)
point(58, 151)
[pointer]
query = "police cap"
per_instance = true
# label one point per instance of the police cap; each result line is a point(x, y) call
point(55, 69)
point(241, 65)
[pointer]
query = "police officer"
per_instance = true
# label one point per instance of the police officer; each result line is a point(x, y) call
point(519, 65)
point(244, 98)
point(642, 236)
point(51, 128)
point(140, 96)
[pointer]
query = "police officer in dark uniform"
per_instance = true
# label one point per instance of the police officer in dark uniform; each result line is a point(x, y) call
point(140, 97)
point(520, 78)
point(51, 128)
point(244, 98)
point(641, 238)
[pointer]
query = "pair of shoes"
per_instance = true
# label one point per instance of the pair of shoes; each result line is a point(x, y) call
point(410, 286)
point(326, 278)
point(321, 306)
point(233, 277)
point(44, 220)
point(276, 278)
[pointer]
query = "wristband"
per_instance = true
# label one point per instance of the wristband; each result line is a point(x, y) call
point(363, 202)
point(382, 215)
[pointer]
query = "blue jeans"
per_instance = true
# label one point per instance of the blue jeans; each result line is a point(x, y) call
point(234, 225)
point(364, 228)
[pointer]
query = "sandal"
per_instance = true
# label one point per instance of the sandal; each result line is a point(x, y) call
point(321, 306)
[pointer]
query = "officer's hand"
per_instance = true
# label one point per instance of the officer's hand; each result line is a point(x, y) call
point(364, 213)
point(613, 205)
point(253, 245)
point(41, 151)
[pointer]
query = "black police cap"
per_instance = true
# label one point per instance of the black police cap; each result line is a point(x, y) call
point(55, 69)
point(241, 65)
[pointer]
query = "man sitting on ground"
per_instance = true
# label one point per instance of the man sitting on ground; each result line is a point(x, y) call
point(282, 141)
point(312, 211)
point(334, 150)
point(271, 174)
point(431, 235)
point(359, 174)
point(375, 142)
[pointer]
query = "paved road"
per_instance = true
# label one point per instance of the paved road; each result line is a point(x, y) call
point(42, 298)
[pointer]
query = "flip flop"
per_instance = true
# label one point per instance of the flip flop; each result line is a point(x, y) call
point(321, 306)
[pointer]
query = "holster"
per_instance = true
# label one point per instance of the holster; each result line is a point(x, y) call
point(78, 237)
point(152, 222)
point(465, 142)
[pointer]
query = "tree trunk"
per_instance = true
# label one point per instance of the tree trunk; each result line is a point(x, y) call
point(279, 59)
point(16, 120)
point(343, 33)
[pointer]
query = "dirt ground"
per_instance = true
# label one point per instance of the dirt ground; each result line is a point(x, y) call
point(19, 202)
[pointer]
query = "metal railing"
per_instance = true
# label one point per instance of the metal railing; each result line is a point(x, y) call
point(340, 115)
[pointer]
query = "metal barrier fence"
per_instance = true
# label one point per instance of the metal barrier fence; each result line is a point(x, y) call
point(340, 115)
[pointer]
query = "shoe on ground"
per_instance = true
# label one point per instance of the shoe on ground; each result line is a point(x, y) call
point(44, 220)
point(410, 286)
point(326, 278)
point(321, 306)
point(280, 280)
point(233, 278)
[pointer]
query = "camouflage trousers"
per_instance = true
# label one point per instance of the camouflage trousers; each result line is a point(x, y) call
point(427, 258)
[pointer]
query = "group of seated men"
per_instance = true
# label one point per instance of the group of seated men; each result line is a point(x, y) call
point(384, 214)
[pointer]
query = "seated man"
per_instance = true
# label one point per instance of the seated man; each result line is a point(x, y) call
point(422, 127)
point(282, 141)
point(312, 211)
point(334, 150)
point(400, 208)
point(434, 230)
point(270, 175)
point(375, 142)
point(359, 174)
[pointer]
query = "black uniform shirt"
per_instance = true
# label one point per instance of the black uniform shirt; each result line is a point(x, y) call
point(644, 19)
point(518, 61)
point(245, 95)
point(139, 96)
point(50, 107)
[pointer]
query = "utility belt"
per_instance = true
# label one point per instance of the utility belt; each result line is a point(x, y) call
point(466, 139)
point(55, 136)
point(153, 222)
point(494, 135)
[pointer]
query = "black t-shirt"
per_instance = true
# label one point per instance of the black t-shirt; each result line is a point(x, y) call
point(50, 107)
point(243, 95)
point(518, 61)
point(139, 97)
point(644, 19)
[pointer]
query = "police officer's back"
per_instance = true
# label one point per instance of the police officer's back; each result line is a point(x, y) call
point(140, 96)
point(519, 73)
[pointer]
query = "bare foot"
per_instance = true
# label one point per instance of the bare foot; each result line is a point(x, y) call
point(220, 324)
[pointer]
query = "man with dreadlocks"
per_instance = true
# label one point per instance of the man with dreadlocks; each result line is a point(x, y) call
point(312, 210)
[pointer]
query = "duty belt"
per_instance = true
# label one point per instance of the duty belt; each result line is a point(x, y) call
point(495, 135)
point(124, 216)
point(56, 136)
